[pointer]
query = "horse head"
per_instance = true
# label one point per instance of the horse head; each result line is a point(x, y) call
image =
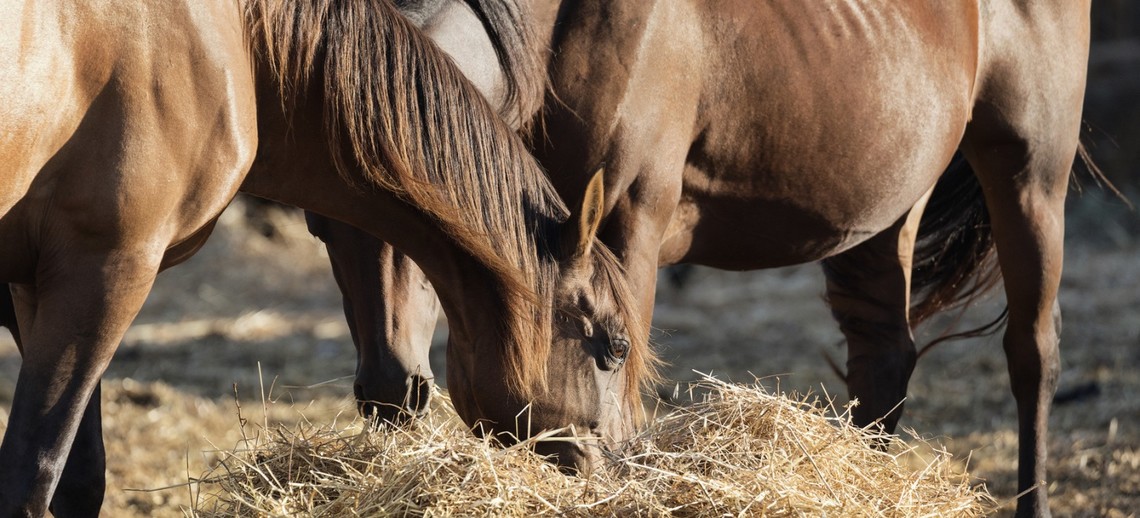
point(586, 385)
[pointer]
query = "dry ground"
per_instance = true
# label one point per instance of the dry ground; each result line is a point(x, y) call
point(247, 301)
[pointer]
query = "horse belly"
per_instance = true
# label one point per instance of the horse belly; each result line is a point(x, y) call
point(820, 139)
point(734, 233)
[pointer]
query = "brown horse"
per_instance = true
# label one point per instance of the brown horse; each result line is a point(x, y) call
point(747, 135)
point(129, 127)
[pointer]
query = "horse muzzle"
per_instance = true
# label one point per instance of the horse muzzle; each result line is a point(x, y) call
point(394, 403)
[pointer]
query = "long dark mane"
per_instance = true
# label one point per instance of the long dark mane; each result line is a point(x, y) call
point(414, 126)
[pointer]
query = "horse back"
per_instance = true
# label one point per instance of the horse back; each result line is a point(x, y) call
point(868, 82)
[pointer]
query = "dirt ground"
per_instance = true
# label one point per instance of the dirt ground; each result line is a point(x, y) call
point(262, 315)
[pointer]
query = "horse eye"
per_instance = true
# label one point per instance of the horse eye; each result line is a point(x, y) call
point(619, 347)
point(614, 355)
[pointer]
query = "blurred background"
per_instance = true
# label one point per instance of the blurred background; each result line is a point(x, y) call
point(251, 328)
point(1112, 118)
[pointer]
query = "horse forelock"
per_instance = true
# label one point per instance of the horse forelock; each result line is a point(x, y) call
point(416, 127)
point(641, 366)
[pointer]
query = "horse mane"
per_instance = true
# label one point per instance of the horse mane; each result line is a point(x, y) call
point(511, 29)
point(397, 110)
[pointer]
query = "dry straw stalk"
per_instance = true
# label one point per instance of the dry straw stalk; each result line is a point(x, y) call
point(736, 451)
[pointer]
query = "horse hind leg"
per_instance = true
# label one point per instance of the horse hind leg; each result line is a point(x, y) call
point(1025, 191)
point(1021, 144)
point(1024, 184)
point(868, 289)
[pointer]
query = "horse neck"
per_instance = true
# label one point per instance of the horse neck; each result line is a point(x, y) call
point(293, 167)
point(489, 313)
point(545, 14)
point(390, 138)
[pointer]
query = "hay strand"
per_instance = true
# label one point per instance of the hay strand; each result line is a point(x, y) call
point(735, 451)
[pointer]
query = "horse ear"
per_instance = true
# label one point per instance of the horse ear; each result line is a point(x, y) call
point(590, 215)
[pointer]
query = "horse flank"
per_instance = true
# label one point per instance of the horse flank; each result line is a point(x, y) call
point(417, 128)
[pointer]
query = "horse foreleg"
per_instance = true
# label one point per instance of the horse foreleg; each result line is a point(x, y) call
point(868, 289)
point(391, 311)
point(81, 306)
point(80, 489)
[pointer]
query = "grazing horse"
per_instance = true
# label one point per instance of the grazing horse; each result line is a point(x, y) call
point(743, 135)
point(489, 43)
point(128, 127)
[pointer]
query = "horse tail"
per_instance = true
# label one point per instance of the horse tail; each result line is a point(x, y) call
point(508, 25)
point(954, 255)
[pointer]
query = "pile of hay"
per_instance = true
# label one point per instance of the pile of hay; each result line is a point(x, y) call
point(738, 451)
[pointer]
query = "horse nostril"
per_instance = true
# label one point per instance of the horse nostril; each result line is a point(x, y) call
point(367, 409)
point(419, 394)
point(570, 458)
